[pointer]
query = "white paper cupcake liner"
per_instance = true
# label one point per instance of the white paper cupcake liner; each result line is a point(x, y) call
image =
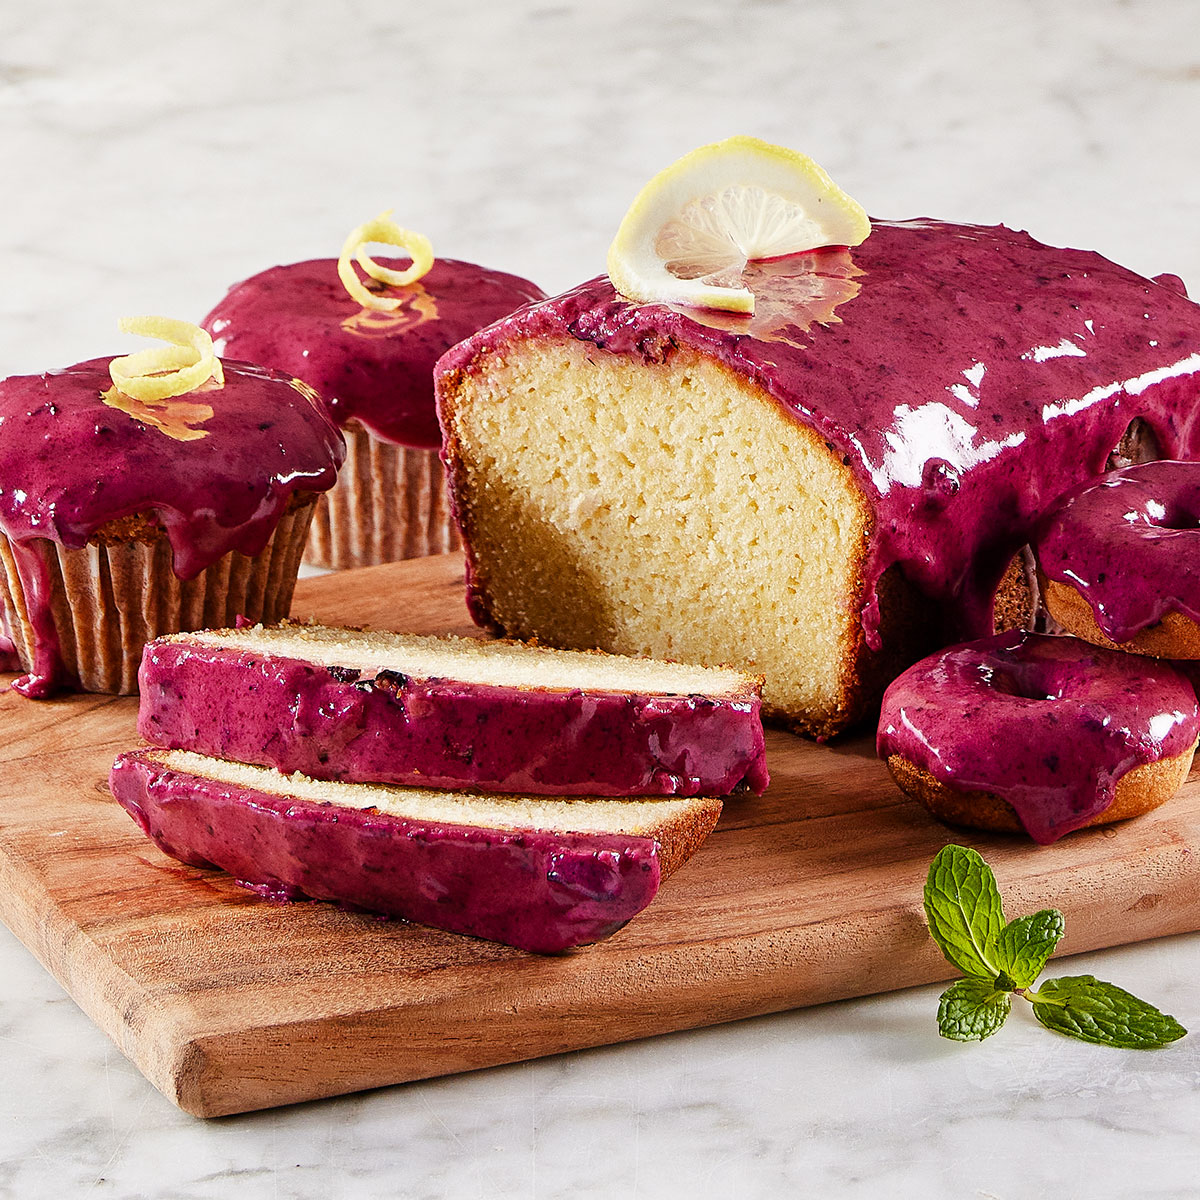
point(107, 601)
point(389, 503)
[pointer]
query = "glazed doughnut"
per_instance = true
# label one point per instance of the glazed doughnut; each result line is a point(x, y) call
point(1119, 560)
point(1044, 734)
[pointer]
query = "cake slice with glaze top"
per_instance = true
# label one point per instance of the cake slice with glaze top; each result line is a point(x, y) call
point(453, 712)
point(532, 872)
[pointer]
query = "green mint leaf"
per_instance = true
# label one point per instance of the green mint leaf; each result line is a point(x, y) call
point(962, 906)
point(1086, 1008)
point(971, 1010)
point(1025, 944)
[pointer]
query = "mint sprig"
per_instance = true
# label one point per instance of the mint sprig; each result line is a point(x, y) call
point(1002, 959)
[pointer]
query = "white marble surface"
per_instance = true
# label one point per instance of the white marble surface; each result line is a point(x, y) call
point(154, 154)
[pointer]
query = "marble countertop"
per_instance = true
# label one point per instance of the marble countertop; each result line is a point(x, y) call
point(154, 154)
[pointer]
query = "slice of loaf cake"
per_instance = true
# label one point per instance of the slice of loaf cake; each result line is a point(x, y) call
point(536, 873)
point(453, 712)
point(817, 492)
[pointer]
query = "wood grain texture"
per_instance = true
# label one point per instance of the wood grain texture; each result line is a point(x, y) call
point(228, 1003)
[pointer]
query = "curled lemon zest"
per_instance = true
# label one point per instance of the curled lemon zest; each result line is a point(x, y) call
point(382, 229)
point(155, 375)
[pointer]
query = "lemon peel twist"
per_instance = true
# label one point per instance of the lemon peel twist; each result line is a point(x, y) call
point(382, 229)
point(161, 372)
point(145, 384)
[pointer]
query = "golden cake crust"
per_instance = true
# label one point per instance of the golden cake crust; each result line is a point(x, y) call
point(1139, 791)
point(1175, 636)
point(146, 527)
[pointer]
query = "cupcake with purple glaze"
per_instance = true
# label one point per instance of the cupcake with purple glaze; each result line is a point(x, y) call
point(368, 346)
point(154, 493)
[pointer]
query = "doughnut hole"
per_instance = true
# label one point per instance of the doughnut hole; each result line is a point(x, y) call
point(1138, 444)
point(1019, 680)
point(1177, 517)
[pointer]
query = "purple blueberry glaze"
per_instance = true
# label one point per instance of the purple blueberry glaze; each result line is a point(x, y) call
point(376, 367)
point(1129, 543)
point(69, 463)
point(1049, 724)
point(538, 891)
point(389, 728)
point(964, 373)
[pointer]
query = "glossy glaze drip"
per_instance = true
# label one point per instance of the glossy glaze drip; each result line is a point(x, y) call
point(46, 673)
point(967, 377)
point(8, 650)
point(1130, 545)
point(69, 464)
point(1049, 724)
point(390, 728)
point(538, 891)
point(376, 367)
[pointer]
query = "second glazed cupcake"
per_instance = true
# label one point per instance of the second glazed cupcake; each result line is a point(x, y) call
point(368, 347)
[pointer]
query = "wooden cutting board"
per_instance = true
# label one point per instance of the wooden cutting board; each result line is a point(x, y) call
point(229, 1003)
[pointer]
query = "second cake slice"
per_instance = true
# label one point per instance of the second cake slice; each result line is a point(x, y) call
point(447, 712)
point(541, 874)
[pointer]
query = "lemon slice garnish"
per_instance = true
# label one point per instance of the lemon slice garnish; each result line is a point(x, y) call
point(693, 228)
point(382, 229)
point(165, 371)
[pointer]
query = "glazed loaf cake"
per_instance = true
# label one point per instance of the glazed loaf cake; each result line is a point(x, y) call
point(453, 712)
point(536, 873)
point(819, 492)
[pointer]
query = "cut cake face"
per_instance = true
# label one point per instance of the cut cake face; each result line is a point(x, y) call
point(598, 518)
